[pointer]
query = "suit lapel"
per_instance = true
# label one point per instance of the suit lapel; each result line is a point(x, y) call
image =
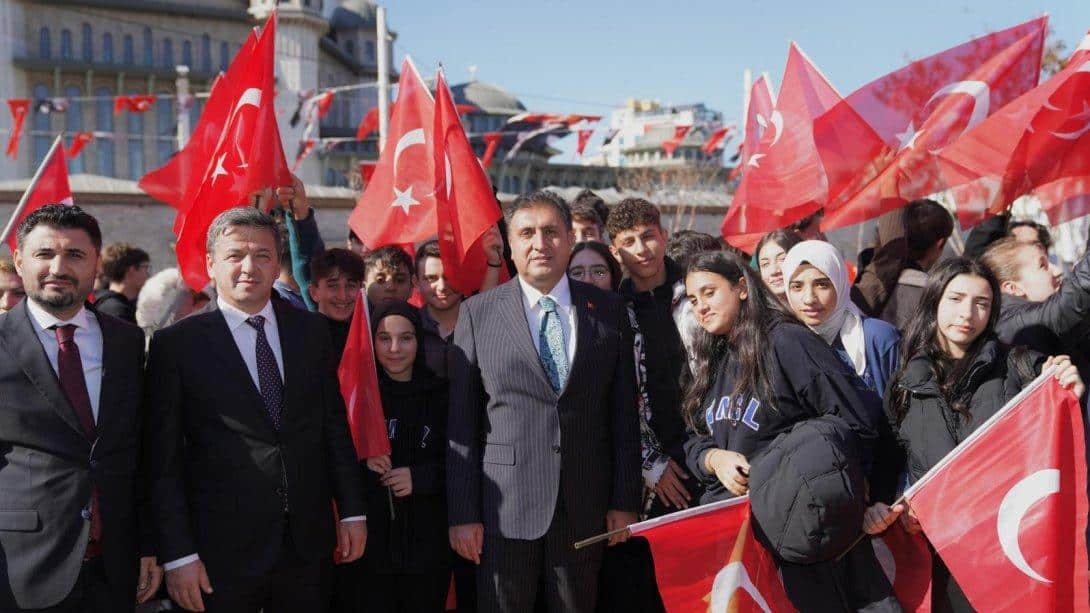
point(584, 331)
point(221, 343)
point(514, 314)
point(17, 332)
point(112, 373)
point(291, 349)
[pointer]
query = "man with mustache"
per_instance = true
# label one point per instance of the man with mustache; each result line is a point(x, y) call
point(70, 420)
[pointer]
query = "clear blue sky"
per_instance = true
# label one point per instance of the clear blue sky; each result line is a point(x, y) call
point(589, 56)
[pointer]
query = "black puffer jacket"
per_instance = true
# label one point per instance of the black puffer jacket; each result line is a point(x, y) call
point(930, 428)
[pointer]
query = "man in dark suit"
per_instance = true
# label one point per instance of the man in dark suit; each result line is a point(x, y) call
point(70, 415)
point(544, 437)
point(247, 441)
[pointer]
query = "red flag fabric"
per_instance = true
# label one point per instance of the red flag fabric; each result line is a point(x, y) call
point(715, 139)
point(368, 124)
point(79, 139)
point(398, 205)
point(50, 186)
point(323, 102)
point(305, 147)
point(906, 561)
point(879, 145)
point(359, 386)
point(367, 170)
point(671, 145)
point(19, 108)
point(706, 559)
point(173, 182)
point(583, 136)
point(492, 140)
point(1037, 144)
point(133, 104)
point(465, 207)
point(758, 117)
point(784, 180)
point(246, 157)
point(1006, 510)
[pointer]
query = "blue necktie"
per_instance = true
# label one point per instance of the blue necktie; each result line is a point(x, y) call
point(554, 356)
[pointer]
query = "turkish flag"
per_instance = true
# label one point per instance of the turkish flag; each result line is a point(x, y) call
point(19, 108)
point(671, 145)
point(583, 136)
point(49, 186)
point(706, 559)
point(133, 104)
point(246, 157)
point(368, 124)
point(492, 140)
point(305, 147)
point(784, 180)
point(173, 182)
point(906, 561)
point(715, 139)
point(359, 386)
point(879, 145)
point(465, 207)
point(398, 205)
point(367, 170)
point(79, 139)
point(759, 107)
point(1006, 509)
point(1038, 144)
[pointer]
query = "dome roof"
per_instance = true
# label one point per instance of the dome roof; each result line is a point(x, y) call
point(353, 15)
point(489, 98)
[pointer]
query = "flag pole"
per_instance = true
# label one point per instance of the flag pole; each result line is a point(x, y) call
point(57, 142)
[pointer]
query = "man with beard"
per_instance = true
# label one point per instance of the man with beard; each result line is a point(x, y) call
point(70, 420)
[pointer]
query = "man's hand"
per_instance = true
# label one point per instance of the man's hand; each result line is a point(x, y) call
point(351, 539)
point(468, 541)
point(186, 583)
point(731, 468)
point(670, 489)
point(492, 243)
point(880, 516)
point(151, 576)
point(380, 464)
point(400, 480)
point(615, 520)
point(294, 199)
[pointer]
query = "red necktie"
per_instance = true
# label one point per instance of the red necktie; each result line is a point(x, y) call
point(70, 373)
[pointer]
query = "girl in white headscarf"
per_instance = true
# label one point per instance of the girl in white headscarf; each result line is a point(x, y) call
point(816, 279)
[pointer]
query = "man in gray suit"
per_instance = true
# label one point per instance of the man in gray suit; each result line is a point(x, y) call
point(544, 438)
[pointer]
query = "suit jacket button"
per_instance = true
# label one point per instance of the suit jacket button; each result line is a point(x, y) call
point(556, 448)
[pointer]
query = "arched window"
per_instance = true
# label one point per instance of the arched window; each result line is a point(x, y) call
point(135, 128)
point(87, 44)
point(107, 48)
point(206, 53)
point(66, 44)
point(187, 53)
point(164, 127)
point(225, 56)
point(73, 122)
point(168, 53)
point(149, 50)
point(104, 121)
point(41, 130)
point(45, 50)
point(128, 53)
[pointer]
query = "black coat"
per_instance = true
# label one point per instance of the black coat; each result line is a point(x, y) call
point(48, 467)
point(415, 538)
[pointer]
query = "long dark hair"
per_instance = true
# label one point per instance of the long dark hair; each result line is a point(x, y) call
point(922, 339)
point(747, 342)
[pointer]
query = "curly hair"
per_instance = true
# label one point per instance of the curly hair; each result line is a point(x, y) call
point(630, 213)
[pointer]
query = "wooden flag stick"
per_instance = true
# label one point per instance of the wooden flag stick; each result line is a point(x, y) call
point(601, 537)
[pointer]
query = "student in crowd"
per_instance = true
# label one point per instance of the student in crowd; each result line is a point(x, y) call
point(684, 244)
point(355, 244)
point(408, 556)
point(770, 253)
point(125, 269)
point(588, 217)
point(591, 262)
point(388, 275)
point(336, 278)
point(913, 240)
point(165, 299)
point(11, 286)
point(954, 375)
point(1002, 226)
point(293, 199)
point(439, 314)
point(759, 373)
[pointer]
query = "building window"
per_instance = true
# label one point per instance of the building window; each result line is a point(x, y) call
point(135, 129)
point(370, 46)
point(107, 48)
point(73, 122)
point(164, 127)
point(66, 44)
point(168, 53)
point(187, 53)
point(225, 56)
point(104, 121)
point(350, 48)
point(87, 45)
point(149, 51)
point(41, 129)
point(206, 53)
point(128, 56)
point(44, 49)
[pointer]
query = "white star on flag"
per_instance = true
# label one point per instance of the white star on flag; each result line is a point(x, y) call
point(755, 159)
point(404, 199)
point(219, 170)
point(908, 138)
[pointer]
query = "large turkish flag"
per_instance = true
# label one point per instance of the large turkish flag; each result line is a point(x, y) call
point(49, 186)
point(1006, 509)
point(358, 376)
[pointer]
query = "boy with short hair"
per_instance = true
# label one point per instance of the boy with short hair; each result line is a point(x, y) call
point(336, 278)
point(388, 275)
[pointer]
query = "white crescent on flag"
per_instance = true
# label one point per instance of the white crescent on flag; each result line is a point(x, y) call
point(1014, 507)
point(729, 580)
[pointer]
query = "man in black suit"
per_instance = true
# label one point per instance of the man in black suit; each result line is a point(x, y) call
point(70, 415)
point(544, 437)
point(247, 441)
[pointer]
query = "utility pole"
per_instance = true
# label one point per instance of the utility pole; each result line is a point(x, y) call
point(383, 75)
point(181, 87)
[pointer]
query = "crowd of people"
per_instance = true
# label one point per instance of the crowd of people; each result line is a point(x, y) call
point(162, 443)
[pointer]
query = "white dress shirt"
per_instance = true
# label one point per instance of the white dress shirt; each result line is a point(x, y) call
point(561, 294)
point(246, 339)
point(88, 339)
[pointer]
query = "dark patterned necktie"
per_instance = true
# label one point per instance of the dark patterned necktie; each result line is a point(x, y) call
point(268, 373)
